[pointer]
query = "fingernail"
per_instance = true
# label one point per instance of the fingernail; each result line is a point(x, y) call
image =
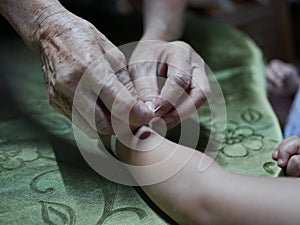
point(275, 154)
point(280, 162)
point(142, 132)
point(157, 108)
point(150, 105)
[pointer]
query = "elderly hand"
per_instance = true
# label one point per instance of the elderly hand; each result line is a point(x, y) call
point(287, 155)
point(185, 85)
point(71, 47)
point(283, 78)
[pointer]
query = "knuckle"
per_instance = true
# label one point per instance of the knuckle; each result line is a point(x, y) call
point(295, 161)
point(281, 146)
point(133, 70)
point(123, 77)
point(121, 57)
point(140, 114)
point(283, 151)
point(118, 55)
point(294, 137)
point(181, 79)
point(106, 87)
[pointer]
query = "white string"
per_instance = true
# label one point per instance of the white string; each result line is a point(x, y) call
point(113, 141)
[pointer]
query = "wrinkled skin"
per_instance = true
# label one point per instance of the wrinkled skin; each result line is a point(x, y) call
point(185, 85)
point(72, 47)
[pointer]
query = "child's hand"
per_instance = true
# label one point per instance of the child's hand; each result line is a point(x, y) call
point(287, 155)
point(282, 78)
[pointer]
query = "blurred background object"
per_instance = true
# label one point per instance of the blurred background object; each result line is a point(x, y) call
point(271, 23)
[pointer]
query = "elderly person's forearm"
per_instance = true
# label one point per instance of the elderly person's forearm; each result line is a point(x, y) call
point(30, 18)
point(163, 20)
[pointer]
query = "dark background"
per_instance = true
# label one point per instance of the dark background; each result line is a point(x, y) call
point(262, 28)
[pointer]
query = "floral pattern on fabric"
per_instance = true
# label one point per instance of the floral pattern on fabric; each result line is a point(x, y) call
point(14, 156)
point(238, 141)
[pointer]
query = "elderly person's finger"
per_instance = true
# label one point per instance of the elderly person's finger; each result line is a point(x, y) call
point(190, 81)
point(95, 114)
point(169, 68)
point(293, 166)
point(119, 101)
point(197, 94)
point(178, 77)
point(144, 76)
point(124, 78)
point(122, 104)
point(175, 86)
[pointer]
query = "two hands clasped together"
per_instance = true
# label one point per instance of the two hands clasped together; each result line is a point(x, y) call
point(74, 52)
point(64, 65)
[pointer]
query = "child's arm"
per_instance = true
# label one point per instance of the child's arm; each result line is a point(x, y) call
point(213, 196)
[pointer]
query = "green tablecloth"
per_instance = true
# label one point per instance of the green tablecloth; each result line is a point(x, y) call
point(44, 179)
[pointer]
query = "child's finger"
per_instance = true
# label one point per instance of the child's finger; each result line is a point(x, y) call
point(275, 154)
point(274, 77)
point(278, 69)
point(293, 166)
point(286, 149)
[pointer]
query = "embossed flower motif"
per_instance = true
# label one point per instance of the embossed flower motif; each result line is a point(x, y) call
point(13, 156)
point(239, 140)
